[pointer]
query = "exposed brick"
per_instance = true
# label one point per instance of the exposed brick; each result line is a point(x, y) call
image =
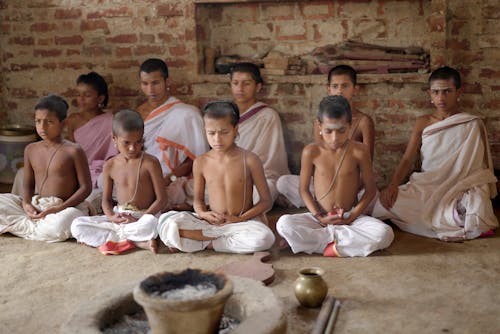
point(22, 67)
point(317, 10)
point(7, 55)
point(123, 91)
point(50, 66)
point(182, 89)
point(472, 88)
point(292, 117)
point(111, 12)
point(147, 38)
point(176, 63)
point(43, 27)
point(178, 50)
point(123, 52)
point(491, 12)
point(22, 40)
point(148, 50)
point(68, 40)
point(45, 41)
point(5, 28)
point(493, 104)
point(456, 44)
point(94, 25)
point(124, 64)
point(489, 73)
point(124, 38)
point(166, 37)
point(65, 14)
point(47, 52)
point(291, 32)
point(96, 51)
point(22, 93)
point(168, 10)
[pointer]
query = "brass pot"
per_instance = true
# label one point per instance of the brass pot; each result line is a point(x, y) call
point(310, 287)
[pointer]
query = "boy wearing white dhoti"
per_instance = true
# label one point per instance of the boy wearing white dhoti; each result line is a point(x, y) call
point(59, 172)
point(233, 223)
point(335, 225)
point(450, 198)
point(259, 126)
point(342, 80)
point(140, 191)
point(173, 131)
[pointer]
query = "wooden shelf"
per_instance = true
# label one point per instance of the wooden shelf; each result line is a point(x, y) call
point(320, 79)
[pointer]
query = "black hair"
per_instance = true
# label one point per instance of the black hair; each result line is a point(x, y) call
point(221, 109)
point(446, 73)
point(127, 120)
point(343, 70)
point(153, 65)
point(97, 82)
point(334, 107)
point(54, 103)
point(247, 68)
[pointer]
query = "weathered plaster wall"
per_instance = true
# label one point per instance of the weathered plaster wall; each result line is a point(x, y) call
point(46, 44)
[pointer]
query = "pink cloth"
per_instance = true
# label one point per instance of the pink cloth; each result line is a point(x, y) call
point(96, 139)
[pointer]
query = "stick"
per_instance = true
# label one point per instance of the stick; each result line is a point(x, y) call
point(323, 315)
point(333, 318)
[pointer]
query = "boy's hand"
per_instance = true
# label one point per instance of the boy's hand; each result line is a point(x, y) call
point(48, 211)
point(122, 218)
point(335, 217)
point(388, 196)
point(30, 210)
point(212, 217)
point(229, 219)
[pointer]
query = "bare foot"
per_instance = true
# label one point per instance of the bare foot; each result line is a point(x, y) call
point(283, 244)
point(283, 202)
point(151, 245)
point(172, 250)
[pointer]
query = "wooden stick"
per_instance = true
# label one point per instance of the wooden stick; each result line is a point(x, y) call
point(333, 318)
point(324, 314)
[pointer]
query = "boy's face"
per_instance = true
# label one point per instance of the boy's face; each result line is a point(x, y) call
point(129, 143)
point(244, 88)
point(154, 86)
point(334, 131)
point(343, 86)
point(444, 94)
point(87, 98)
point(220, 133)
point(48, 126)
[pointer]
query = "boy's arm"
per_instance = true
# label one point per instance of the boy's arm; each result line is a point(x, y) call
point(265, 202)
point(184, 169)
point(199, 205)
point(154, 170)
point(83, 177)
point(368, 132)
point(28, 184)
point(306, 171)
point(368, 178)
point(389, 195)
point(107, 190)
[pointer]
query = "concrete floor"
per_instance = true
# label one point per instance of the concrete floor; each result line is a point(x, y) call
point(417, 285)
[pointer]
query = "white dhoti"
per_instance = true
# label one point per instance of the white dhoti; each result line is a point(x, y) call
point(97, 230)
point(244, 237)
point(361, 238)
point(53, 227)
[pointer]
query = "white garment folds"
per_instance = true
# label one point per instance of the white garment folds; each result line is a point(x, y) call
point(53, 227)
point(362, 237)
point(244, 237)
point(97, 230)
point(457, 173)
point(172, 133)
point(263, 135)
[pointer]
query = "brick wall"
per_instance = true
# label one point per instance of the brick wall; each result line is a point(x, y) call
point(46, 44)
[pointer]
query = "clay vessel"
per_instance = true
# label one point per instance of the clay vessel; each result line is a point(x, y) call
point(195, 316)
point(310, 288)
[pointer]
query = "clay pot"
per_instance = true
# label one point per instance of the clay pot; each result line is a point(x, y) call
point(310, 288)
point(196, 316)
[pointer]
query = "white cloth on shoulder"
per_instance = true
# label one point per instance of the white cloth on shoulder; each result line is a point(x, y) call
point(457, 180)
point(362, 237)
point(52, 228)
point(97, 230)
point(244, 237)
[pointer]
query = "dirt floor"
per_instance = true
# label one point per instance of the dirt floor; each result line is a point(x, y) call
point(417, 285)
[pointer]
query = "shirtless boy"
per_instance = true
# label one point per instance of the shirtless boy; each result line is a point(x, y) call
point(231, 223)
point(342, 80)
point(140, 192)
point(173, 131)
point(335, 225)
point(56, 181)
point(449, 198)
